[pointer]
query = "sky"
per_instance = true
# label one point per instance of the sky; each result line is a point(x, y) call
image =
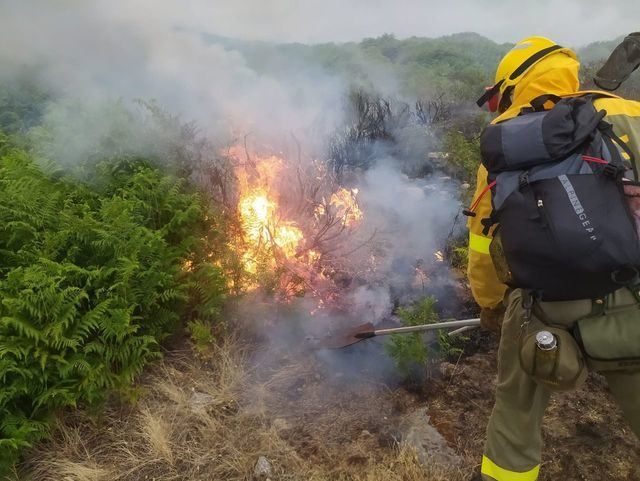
point(570, 22)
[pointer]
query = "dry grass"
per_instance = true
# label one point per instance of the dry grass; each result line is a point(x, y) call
point(210, 419)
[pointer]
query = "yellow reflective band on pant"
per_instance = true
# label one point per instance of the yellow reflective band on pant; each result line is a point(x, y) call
point(490, 468)
point(479, 243)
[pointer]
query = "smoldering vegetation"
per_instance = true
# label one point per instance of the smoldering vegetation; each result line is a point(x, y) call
point(387, 123)
point(162, 93)
point(201, 94)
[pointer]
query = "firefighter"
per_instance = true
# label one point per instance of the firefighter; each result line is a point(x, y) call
point(535, 66)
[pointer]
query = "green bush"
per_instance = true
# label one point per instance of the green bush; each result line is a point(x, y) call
point(460, 256)
point(91, 279)
point(410, 349)
point(201, 334)
point(464, 155)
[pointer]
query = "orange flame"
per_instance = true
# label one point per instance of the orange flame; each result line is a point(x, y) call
point(344, 201)
point(274, 236)
point(264, 230)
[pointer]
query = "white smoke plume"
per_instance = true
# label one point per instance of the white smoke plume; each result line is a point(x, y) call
point(101, 50)
point(90, 53)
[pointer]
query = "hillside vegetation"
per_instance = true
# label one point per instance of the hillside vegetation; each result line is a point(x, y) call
point(93, 276)
point(102, 259)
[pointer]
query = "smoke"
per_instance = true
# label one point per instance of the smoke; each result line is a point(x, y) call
point(90, 54)
point(95, 52)
point(412, 219)
point(157, 50)
point(417, 214)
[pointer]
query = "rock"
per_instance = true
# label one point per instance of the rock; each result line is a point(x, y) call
point(201, 401)
point(262, 470)
point(431, 447)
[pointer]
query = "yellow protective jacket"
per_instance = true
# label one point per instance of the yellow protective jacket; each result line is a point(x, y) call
point(556, 74)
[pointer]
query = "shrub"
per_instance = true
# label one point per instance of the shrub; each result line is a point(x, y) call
point(410, 349)
point(201, 334)
point(464, 155)
point(91, 279)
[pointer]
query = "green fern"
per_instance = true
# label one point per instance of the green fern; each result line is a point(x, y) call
point(92, 278)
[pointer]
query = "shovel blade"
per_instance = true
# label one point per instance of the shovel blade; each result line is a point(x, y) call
point(344, 337)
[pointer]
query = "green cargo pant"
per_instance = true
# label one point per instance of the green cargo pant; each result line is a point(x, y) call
point(514, 438)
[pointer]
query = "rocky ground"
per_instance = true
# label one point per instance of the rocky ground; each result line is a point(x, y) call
point(585, 436)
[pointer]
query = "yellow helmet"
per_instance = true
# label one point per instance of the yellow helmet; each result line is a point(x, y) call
point(524, 55)
point(517, 62)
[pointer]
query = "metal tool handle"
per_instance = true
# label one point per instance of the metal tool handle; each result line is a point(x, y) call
point(427, 327)
point(461, 330)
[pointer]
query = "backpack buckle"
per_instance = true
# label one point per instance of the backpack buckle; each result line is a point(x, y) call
point(523, 180)
point(487, 223)
point(611, 170)
point(528, 299)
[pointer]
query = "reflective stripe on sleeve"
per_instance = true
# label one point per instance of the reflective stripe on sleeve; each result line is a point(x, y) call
point(479, 243)
point(489, 468)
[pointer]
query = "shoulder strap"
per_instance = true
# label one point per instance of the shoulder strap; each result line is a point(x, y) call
point(538, 102)
point(611, 138)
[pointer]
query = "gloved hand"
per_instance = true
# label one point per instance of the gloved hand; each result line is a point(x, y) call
point(491, 318)
point(624, 59)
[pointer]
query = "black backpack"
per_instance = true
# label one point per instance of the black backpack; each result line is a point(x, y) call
point(564, 228)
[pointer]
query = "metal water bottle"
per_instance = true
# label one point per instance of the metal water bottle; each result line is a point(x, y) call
point(546, 341)
point(546, 354)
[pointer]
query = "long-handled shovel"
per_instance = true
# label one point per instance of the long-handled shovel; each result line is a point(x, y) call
point(365, 331)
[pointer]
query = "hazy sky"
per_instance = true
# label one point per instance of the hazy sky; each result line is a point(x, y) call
point(572, 22)
point(152, 49)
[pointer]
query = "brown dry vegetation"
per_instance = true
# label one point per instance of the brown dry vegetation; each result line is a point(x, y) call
point(308, 428)
point(210, 416)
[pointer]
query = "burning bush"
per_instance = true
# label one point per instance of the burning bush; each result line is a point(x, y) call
point(296, 223)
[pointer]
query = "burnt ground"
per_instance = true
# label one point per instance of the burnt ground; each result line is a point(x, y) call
point(585, 435)
point(318, 418)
